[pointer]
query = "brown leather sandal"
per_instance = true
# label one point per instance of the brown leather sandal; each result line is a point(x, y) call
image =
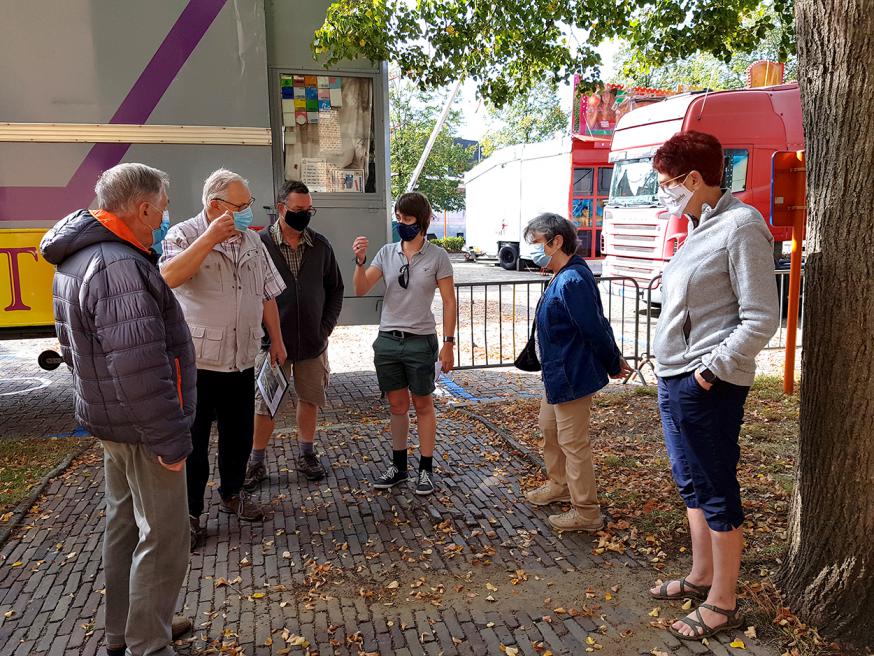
point(687, 591)
point(734, 621)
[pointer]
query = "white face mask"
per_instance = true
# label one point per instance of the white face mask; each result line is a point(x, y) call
point(675, 199)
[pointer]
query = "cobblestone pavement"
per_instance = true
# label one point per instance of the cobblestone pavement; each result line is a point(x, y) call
point(343, 569)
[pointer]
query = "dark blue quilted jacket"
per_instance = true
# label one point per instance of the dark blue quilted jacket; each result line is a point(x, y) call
point(124, 337)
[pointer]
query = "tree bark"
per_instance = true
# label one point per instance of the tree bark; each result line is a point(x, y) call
point(828, 578)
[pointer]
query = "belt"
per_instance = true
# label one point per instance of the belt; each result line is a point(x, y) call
point(400, 334)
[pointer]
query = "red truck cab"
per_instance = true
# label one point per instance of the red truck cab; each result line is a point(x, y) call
point(639, 236)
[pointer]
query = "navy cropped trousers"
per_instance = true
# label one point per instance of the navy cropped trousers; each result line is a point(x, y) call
point(701, 429)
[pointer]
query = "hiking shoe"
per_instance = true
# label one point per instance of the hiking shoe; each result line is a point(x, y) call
point(424, 484)
point(573, 521)
point(255, 474)
point(180, 626)
point(196, 532)
point(390, 478)
point(308, 464)
point(548, 493)
point(244, 508)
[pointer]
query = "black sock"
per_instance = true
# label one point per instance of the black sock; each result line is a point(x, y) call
point(399, 459)
point(426, 463)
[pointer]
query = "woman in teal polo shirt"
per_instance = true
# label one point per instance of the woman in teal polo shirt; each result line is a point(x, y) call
point(407, 347)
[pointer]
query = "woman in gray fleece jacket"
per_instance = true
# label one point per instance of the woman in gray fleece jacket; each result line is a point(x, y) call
point(719, 309)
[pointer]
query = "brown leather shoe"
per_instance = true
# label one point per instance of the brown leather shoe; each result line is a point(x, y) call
point(178, 628)
point(181, 625)
point(244, 508)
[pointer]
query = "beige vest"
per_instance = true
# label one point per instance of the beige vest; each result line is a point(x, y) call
point(223, 305)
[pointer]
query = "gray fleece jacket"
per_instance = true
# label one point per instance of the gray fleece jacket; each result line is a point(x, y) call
point(719, 296)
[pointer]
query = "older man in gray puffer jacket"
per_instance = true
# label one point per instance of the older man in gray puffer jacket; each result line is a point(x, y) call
point(125, 339)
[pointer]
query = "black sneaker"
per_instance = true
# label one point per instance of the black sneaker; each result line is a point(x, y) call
point(197, 532)
point(308, 464)
point(390, 478)
point(424, 485)
point(255, 474)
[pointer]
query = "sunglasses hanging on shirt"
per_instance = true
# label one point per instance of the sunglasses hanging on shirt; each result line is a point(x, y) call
point(404, 276)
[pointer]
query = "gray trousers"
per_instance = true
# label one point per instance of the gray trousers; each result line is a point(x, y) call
point(145, 548)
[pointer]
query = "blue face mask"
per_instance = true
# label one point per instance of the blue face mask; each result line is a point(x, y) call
point(242, 220)
point(408, 232)
point(160, 232)
point(539, 256)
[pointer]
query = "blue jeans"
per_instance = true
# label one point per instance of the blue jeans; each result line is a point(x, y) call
point(701, 430)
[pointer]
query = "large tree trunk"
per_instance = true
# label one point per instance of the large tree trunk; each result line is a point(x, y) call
point(828, 578)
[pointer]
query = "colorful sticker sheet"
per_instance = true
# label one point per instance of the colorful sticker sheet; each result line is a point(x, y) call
point(305, 97)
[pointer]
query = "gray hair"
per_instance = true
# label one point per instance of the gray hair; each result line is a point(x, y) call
point(217, 182)
point(549, 226)
point(123, 187)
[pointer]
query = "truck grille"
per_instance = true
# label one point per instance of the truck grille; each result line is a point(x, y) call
point(639, 269)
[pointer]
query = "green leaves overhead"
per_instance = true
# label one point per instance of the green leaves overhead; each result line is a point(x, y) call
point(507, 46)
point(412, 115)
point(527, 118)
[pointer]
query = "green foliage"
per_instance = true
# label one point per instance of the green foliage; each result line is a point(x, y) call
point(508, 46)
point(527, 118)
point(412, 115)
point(449, 244)
point(701, 69)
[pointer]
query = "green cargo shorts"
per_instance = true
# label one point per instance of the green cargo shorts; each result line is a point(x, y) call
point(405, 362)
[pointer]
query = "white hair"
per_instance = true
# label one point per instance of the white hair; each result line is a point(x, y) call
point(217, 182)
point(123, 187)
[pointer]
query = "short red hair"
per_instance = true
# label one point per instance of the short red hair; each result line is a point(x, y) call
point(691, 151)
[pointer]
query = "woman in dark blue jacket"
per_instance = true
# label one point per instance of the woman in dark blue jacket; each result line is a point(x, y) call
point(577, 353)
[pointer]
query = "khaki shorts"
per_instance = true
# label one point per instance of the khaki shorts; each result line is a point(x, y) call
point(310, 382)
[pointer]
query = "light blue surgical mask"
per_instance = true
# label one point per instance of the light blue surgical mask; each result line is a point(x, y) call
point(539, 256)
point(243, 219)
point(160, 232)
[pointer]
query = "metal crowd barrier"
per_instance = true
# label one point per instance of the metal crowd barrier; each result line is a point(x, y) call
point(495, 319)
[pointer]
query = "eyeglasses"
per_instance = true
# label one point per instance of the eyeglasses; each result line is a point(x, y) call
point(404, 276)
point(311, 211)
point(662, 185)
point(239, 208)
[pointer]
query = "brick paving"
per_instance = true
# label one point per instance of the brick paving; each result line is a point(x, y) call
point(343, 569)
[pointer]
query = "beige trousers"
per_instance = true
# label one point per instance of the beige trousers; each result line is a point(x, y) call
point(567, 452)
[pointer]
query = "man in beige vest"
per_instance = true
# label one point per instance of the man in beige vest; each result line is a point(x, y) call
point(227, 285)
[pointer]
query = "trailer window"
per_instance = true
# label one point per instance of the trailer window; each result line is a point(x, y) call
point(736, 162)
point(328, 132)
point(605, 175)
point(584, 180)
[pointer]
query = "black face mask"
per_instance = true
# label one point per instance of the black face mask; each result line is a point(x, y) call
point(298, 220)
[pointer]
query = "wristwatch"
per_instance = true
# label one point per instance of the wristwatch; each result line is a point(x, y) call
point(449, 339)
point(708, 376)
point(361, 263)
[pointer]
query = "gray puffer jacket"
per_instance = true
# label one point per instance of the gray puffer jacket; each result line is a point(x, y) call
point(123, 335)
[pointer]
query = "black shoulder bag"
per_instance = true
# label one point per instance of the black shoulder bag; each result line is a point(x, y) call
point(527, 359)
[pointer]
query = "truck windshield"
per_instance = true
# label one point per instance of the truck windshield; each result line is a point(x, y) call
point(634, 183)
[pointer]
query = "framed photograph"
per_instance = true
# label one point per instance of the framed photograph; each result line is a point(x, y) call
point(272, 384)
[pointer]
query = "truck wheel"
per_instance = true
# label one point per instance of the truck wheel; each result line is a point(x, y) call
point(509, 257)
